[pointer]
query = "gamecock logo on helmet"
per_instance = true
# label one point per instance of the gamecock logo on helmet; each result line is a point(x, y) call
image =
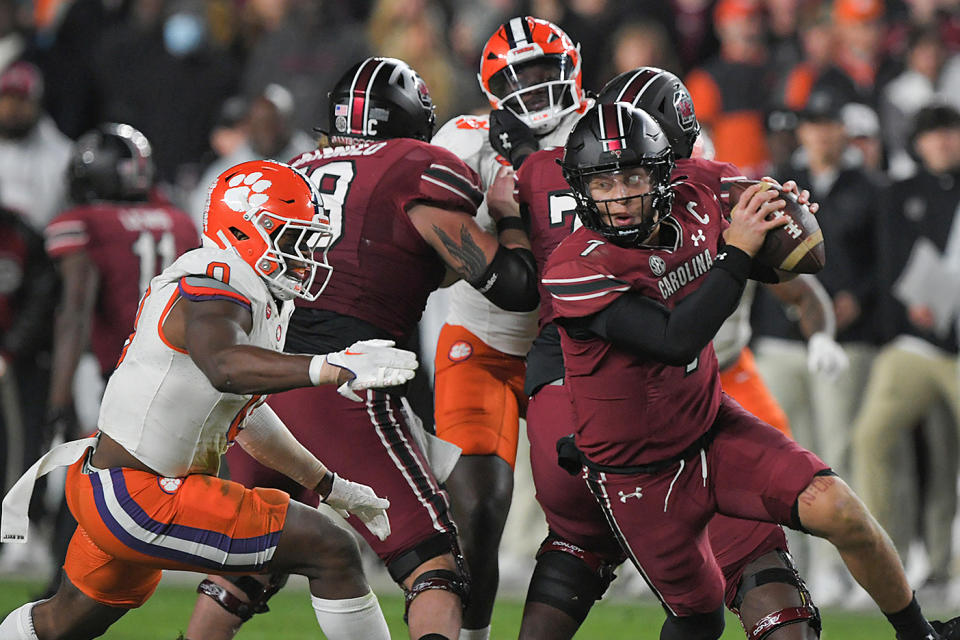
point(684, 106)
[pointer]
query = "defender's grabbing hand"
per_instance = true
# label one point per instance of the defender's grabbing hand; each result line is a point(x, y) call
point(360, 500)
point(374, 364)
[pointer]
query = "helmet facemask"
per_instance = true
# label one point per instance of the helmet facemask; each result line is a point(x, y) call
point(608, 196)
point(539, 90)
point(290, 263)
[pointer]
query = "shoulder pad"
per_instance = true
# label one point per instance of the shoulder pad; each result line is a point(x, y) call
point(465, 136)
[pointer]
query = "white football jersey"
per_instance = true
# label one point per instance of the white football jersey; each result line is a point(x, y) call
point(158, 404)
point(735, 332)
point(507, 331)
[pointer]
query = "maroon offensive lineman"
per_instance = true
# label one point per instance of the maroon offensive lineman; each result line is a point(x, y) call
point(107, 249)
point(402, 212)
point(638, 294)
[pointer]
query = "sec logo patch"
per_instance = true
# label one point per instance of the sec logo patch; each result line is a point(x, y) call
point(169, 485)
point(460, 350)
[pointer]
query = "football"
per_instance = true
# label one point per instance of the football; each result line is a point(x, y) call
point(796, 247)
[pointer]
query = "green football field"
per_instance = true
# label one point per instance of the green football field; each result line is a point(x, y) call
point(291, 618)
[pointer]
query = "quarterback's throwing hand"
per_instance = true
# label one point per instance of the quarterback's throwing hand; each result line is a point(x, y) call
point(358, 499)
point(374, 364)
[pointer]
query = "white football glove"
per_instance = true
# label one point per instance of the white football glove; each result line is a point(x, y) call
point(374, 364)
point(358, 499)
point(825, 357)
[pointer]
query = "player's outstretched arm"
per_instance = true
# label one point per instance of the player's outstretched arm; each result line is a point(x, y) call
point(267, 439)
point(505, 273)
point(215, 334)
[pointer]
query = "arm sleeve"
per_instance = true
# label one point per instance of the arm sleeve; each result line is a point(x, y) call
point(637, 324)
point(510, 281)
point(269, 442)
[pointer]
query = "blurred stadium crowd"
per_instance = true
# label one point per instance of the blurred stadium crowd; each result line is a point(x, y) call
point(855, 99)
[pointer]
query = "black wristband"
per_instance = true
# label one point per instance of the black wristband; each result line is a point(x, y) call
point(327, 478)
point(510, 222)
point(735, 261)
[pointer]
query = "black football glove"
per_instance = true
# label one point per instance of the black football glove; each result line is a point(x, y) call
point(510, 137)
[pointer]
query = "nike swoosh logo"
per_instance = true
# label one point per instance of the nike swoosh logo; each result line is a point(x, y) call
point(352, 353)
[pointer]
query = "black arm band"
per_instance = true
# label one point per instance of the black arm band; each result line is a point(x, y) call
point(675, 337)
point(511, 222)
point(735, 261)
point(510, 281)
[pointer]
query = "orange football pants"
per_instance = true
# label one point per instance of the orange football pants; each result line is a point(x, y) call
point(133, 524)
point(478, 395)
point(743, 383)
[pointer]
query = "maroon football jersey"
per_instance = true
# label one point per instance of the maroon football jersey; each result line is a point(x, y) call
point(551, 207)
point(546, 196)
point(708, 173)
point(383, 269)
point(129, 243)
point(631, 410)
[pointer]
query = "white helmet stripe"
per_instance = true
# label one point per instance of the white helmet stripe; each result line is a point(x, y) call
point(518, 32)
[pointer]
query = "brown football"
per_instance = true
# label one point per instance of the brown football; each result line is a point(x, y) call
point(797, 246)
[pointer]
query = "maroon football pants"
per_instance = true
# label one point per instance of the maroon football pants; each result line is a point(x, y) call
point(574, 515)
point(367, 442)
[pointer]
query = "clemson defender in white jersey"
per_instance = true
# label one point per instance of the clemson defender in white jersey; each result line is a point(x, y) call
point(190, 381)
point(530, 71)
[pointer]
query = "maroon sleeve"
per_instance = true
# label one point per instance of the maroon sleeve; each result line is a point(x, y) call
point(524, 178)
point(577, 279)
point(444, 181)
point(67, 233)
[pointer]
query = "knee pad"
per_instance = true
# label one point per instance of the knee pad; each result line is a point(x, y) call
point(806, 612)
point(257, 593)
point(442, 579)
point(569, 578)
point(700, 626)
point(404, 564)
point(456, 582)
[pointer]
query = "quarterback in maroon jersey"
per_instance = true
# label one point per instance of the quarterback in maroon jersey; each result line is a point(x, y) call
point(577, 526)
point(402, 216)
point(639, 293)
point(744, 549)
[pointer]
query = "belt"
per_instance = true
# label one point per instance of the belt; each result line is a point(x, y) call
point(573, 460)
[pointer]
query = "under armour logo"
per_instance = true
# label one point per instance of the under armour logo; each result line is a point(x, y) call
point(698, 237)
point(505, 141)
point(638, 493)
